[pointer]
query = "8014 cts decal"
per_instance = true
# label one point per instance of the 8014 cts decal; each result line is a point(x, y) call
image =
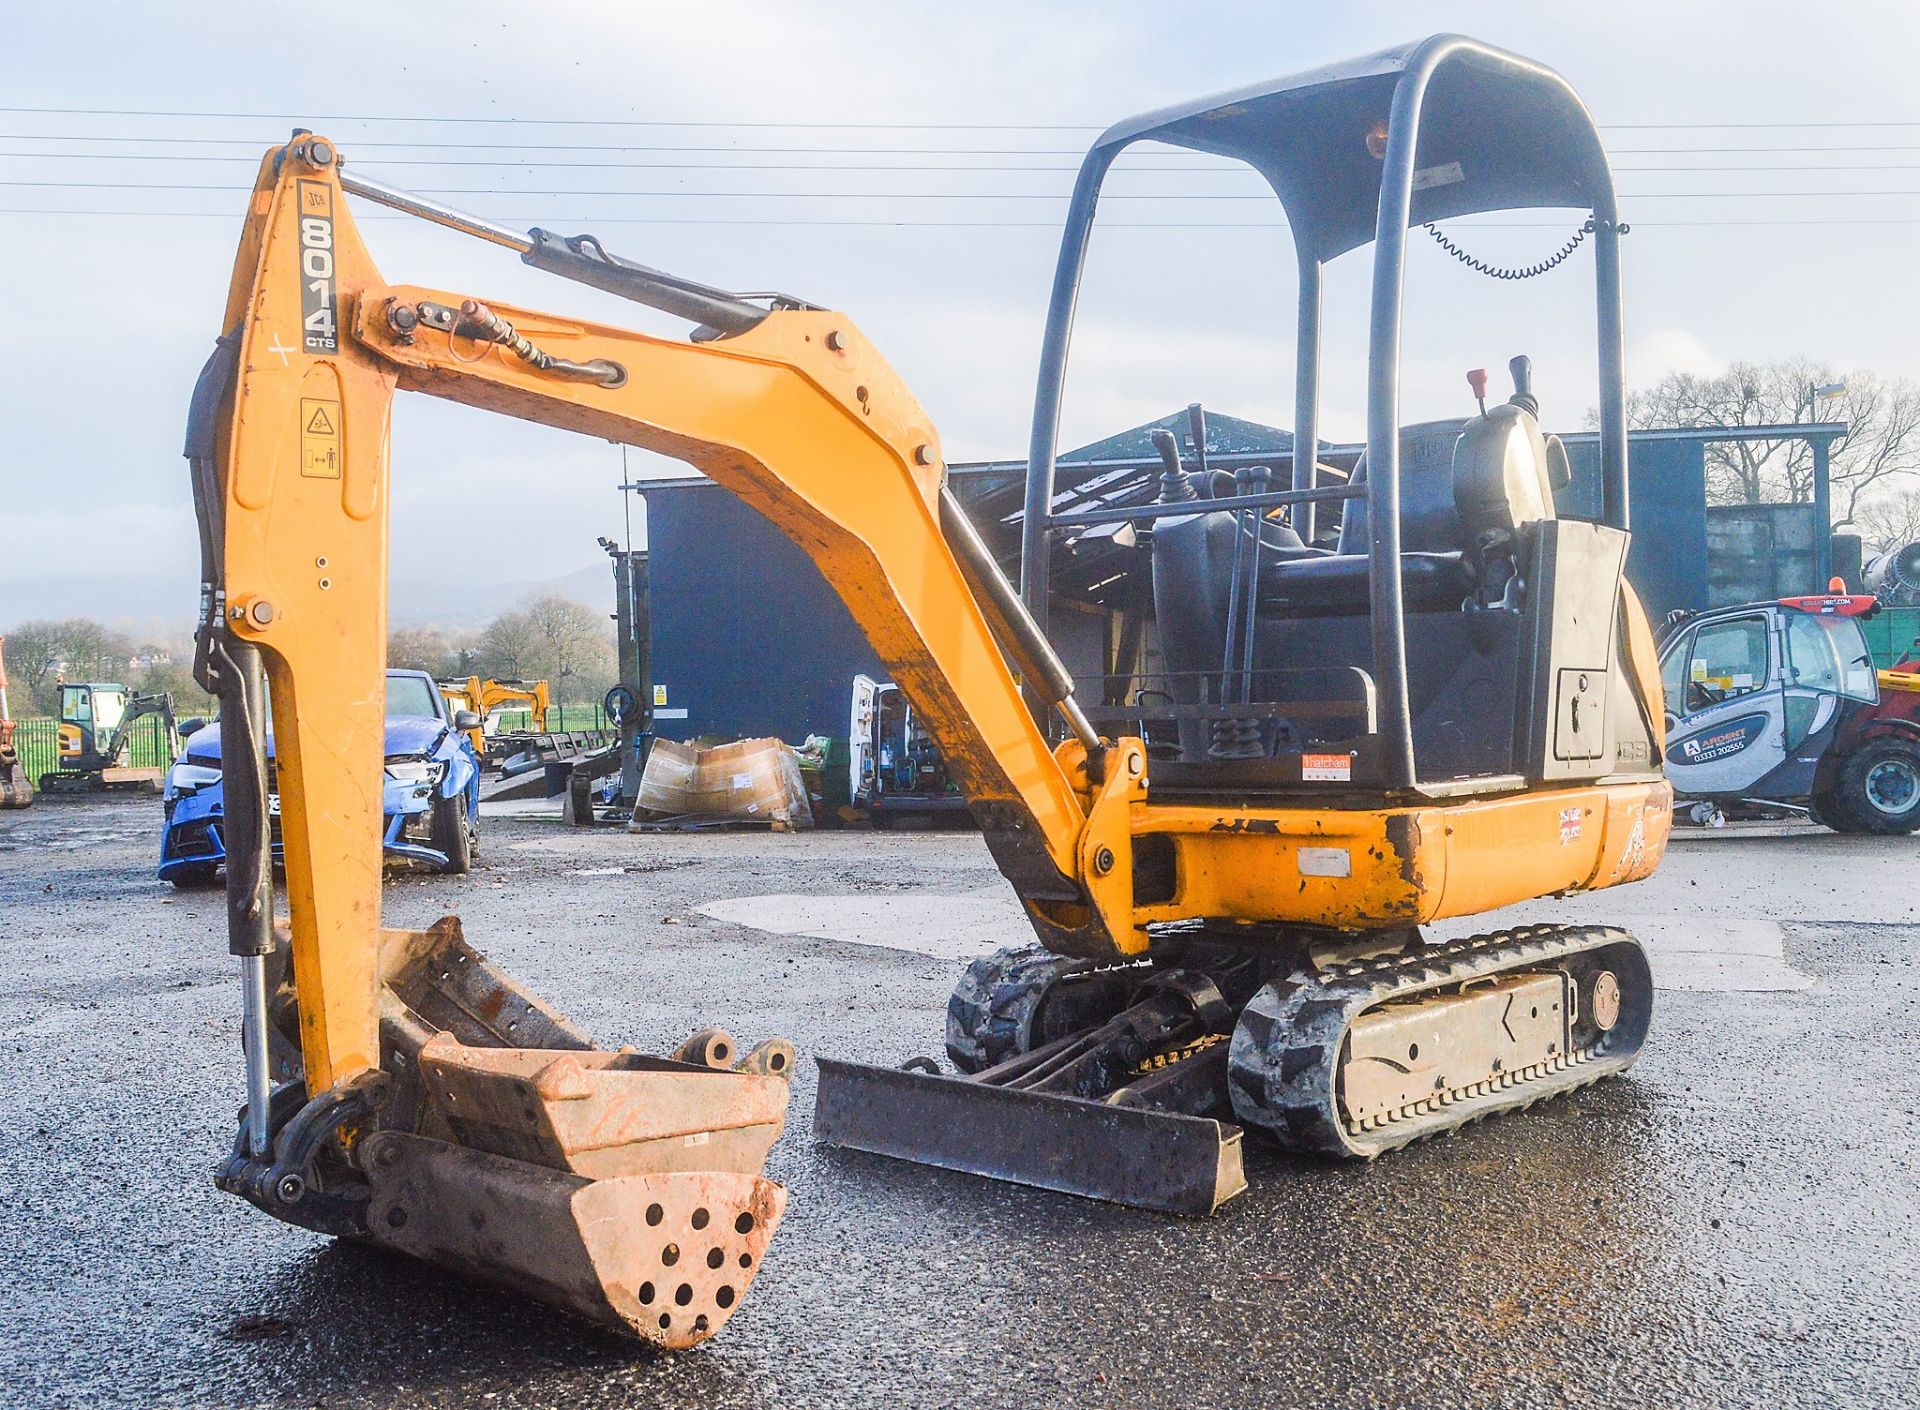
point(319, 315)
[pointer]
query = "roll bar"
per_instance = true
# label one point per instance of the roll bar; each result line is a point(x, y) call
point(1317, 139)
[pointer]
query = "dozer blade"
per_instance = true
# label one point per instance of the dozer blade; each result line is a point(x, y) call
point(1123, 1154)
point(623, 1188)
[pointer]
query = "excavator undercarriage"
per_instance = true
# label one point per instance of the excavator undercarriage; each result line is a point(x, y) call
point(1129, 1082)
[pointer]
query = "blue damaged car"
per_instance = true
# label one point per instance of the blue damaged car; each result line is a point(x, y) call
point(431, 806)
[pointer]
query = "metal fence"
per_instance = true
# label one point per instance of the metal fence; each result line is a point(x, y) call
point(560, 718)
point(38, 743)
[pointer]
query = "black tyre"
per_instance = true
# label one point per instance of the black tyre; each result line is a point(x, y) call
point(198, 879)
point(452, 835)
point(1880, 789)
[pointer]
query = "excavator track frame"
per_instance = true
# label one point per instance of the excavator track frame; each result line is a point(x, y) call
point(1292, 1043)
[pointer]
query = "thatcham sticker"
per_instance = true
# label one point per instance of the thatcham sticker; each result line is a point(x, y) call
point(1326, 768)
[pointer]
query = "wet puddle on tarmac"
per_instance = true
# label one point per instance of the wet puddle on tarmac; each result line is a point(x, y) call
point(1691, 953)
point(946, 927)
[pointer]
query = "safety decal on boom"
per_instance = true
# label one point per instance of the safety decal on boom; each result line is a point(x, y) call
point(319, 305)
point(319, 438)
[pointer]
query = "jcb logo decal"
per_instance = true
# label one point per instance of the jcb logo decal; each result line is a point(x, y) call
point(319, 305)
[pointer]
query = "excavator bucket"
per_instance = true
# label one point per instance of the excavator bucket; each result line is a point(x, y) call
point(623, 1188)
point(15, 790)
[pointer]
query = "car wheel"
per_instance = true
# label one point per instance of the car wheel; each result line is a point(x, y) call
point(450, 834)
point(1880, 788)
point(198, 879)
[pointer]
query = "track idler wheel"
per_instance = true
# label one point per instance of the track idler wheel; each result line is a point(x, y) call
point(1019, 999)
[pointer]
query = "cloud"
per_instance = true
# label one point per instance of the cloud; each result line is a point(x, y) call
point(144, 538)
point(1655, 354)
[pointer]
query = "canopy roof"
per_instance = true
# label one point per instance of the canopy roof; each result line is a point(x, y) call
point(1497, 132)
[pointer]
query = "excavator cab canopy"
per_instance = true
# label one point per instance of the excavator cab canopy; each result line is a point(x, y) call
point(1357, 152)
point(1496, 132)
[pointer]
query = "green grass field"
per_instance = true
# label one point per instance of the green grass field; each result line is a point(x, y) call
point(38, 743)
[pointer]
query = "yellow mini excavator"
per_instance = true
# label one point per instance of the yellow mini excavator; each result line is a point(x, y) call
point(485, 697)
point(1449, 706)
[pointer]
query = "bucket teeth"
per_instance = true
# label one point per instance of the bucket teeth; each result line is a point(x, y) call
point(666, 1257)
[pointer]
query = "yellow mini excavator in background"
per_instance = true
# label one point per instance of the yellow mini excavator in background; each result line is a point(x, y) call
point(1454, 708)
point(96, 736)
point(485, 697)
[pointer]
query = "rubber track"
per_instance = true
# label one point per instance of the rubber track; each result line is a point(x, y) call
point(1284, 1066)
point(992, 1006)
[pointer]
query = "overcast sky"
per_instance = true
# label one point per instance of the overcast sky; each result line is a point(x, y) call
point(108, 316)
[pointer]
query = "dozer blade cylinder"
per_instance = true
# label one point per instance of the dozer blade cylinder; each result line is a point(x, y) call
point(1126, 1155)
point(666, 1257)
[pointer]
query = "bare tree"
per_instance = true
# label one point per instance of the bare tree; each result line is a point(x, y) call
point(551, 638)
point(575, 639)
point(509, 647)
point(40, 654)
point(1889, 521)
point(1882, 444)
point(420, 649)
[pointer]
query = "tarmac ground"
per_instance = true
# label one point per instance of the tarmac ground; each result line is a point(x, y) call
point(1733, 1222)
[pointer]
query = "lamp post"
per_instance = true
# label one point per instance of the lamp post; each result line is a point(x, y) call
point(1822, 487)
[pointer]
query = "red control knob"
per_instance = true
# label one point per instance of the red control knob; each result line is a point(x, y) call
point(1477, 379)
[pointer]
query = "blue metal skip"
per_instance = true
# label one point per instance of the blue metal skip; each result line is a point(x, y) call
point(747, 638)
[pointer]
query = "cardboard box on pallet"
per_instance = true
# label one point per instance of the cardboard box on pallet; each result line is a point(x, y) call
point(755, 780)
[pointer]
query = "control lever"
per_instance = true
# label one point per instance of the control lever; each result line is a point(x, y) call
point(1522, 369)
point(1174, 484)
point(1197, 428)
point(1477, 380)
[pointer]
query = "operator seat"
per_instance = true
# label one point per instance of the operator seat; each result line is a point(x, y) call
point(1434, 569)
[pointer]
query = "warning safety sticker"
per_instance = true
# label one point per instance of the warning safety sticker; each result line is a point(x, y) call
point(319, 438)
